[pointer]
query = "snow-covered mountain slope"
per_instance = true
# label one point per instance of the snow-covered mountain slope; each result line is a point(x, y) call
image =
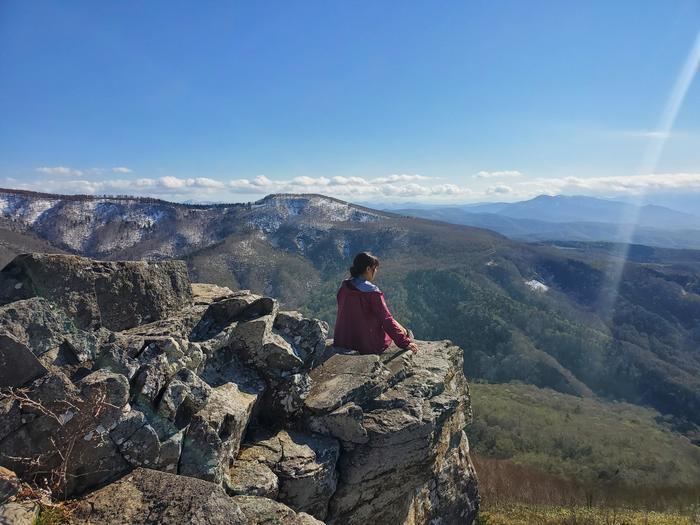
point(114, 227)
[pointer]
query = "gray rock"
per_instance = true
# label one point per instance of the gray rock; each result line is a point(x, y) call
point(44, 327)
point(19, 513)
point(345, 378)
point(178, 324)
point(263, 511)
point(172, 355)
point(106, 394)
point(108, 387)
point(307, 472)
point(11, 417)
point(283, 403)
point(18, 365)
point(344, 423)
point(304, 464)
point(240, 307)
point(116, 295)
point(66, 432)
point(184, 396)
point(252, 478)
point(160, 359)
point(9, 484)
point(142, 448)
point(169, 454)
point(215, 433)
point(147, 496)
point(375, 439)
point(127, 425)
point(114, 356)
point(307, 336)
point(451, 494)
point(414, 465)
point(263, 349)
point(204, 293)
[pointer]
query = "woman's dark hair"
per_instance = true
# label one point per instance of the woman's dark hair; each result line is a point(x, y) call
point(360, 263)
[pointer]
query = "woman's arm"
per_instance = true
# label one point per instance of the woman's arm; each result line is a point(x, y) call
point(397, 332)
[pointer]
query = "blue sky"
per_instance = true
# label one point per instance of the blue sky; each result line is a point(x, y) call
point(374, 101)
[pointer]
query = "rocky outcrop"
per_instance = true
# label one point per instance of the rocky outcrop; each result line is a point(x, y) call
point(100, 294)
point(222, 386)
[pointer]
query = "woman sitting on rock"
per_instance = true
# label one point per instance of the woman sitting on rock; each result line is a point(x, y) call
point(364, 322)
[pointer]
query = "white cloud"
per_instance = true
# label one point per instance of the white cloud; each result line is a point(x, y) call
point(73, 172)
point(623, 184)
point(205, 182)
point(171, 187)
point(174, 183)
point(346, 181)
point(59, 170)
point(498, 174)
point(401, 178)
point(310, 181)
point(501, 189)
point(360, 188)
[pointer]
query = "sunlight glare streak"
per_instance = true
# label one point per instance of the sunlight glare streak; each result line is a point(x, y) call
point(658, 139)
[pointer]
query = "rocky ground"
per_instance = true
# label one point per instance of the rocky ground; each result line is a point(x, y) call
point(137, 397)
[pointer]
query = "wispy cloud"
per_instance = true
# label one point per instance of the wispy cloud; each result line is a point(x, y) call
point(501, 189)
point(59, 170)
point(74, 172)
point(498, 174)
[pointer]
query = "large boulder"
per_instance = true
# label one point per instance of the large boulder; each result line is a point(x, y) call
point(147, 496)
point(116, 295)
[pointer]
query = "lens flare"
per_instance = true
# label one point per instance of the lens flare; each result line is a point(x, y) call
point(649, 165)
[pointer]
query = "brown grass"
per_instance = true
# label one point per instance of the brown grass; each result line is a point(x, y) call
point(502, 483)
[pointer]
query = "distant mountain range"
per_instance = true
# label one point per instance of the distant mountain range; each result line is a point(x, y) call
point(578, 218)
point(552, 315)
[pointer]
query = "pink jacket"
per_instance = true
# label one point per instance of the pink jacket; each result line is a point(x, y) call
point(364, 322)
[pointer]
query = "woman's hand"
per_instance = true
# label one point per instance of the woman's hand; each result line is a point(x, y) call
point(412, 347)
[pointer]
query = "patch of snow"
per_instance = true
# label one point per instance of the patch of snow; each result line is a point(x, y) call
point(24, 209)
point(267, 223)
point(536, 286)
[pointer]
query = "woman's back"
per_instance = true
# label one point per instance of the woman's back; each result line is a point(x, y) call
point(364, 322)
